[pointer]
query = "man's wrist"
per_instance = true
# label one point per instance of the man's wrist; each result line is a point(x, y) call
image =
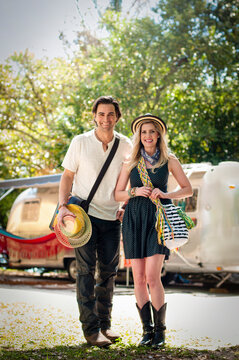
point(62, 205)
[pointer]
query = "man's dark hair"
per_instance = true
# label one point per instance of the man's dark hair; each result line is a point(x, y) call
point(107, 100)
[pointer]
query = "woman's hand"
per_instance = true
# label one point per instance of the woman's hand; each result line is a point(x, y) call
point(143, 191)
point(158, 194)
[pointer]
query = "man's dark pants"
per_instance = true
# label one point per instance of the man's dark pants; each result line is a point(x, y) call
point(94, 297)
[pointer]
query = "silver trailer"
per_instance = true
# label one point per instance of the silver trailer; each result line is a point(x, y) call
point(28, 242)
point(213, 247)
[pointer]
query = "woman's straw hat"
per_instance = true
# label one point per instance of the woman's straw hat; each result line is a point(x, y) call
point(77, 230)
point(148, 117)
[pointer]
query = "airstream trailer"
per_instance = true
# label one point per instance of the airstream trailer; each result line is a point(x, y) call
point(28, 241)
point(213, 246)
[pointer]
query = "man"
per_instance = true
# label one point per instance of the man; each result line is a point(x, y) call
point(82, 163)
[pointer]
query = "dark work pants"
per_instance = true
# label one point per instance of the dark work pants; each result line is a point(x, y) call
point(94, 296)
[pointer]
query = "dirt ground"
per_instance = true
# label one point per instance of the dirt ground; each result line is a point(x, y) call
point(43, 349)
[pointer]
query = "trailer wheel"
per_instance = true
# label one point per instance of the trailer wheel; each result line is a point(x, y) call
point(71, 269)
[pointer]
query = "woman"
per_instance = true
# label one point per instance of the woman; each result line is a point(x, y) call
point(140, 237)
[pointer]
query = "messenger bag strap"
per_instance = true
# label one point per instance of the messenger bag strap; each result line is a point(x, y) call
point(97, 181)
point(103, 169)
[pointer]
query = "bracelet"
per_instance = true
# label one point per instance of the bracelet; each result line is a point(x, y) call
point(60, 206)
point(132, 192)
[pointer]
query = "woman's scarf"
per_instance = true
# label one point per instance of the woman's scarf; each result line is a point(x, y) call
point(151, 159)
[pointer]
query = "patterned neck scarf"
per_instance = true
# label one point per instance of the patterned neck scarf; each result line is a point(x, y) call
point(151, 159)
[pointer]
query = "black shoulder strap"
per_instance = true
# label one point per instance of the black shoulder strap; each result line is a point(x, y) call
point(97, 181)
point(103, 169)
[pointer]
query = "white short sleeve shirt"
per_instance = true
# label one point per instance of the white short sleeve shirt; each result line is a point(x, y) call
point(85, 157)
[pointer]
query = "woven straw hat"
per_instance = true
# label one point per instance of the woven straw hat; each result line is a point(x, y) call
point(148, 117)
point(77, 230)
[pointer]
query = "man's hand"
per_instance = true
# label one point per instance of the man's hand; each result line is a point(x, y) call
point(62, 213)
point(120, 215)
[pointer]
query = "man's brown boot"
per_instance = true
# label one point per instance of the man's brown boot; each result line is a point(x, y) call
point(98, 339)
point(109, 334)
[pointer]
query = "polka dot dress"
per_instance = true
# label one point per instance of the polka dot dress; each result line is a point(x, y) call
point(140, 238)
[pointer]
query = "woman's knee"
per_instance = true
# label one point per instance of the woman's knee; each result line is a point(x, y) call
point(139, 280)
point(153, 280)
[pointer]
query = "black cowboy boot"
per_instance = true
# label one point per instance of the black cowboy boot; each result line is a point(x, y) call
point(146, 319)
point(159, 327)
point(104, 295)
point(86, 303)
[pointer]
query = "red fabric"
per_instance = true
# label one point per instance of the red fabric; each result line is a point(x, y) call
point(38, 240)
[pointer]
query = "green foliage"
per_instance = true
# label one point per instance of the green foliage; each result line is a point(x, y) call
point(211, 134)
point(37, 114)
point(5, 207)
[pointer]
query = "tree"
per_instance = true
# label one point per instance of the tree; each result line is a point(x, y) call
point(132, 66)
point(116, 5)
point(168, 67)
point(181, 66)
point(206, 105)
point(36, 115)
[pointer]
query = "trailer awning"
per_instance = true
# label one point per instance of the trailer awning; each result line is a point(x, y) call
point(37, 181)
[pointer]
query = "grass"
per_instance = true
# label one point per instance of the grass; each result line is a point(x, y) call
point(117, 351)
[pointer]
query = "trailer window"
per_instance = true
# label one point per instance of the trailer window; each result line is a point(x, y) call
point(31, 210)
point(188, 204)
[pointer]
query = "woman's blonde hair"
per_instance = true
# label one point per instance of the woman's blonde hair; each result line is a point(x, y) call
point(137, 145)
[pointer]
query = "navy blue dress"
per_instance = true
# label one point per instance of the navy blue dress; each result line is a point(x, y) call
point(139, 233)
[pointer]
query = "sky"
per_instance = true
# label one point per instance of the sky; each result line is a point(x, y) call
point(36, 24)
